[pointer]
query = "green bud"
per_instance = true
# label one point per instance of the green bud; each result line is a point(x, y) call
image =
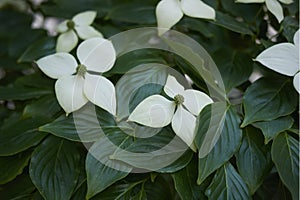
point(179, 99)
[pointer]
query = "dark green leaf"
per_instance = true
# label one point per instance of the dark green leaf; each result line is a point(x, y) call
point(46, 106)
point(20, 188)
point(227, 144)
point(227, 184)
point(54, 168)
point(285, 155)
point(140, 13)
point(101, 170)
point(22, 93)
point(17, 134)
point(38, 49)
point(235, 67)
point(267, 99)
point(253, 159)
point(290, 27)
point(271, 128)
point(230, 23)
point(12, 166)
point(186, 183)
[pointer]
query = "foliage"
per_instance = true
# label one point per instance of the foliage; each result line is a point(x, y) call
point(255, 154)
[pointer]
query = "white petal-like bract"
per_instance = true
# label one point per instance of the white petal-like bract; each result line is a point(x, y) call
point(66, 41)
point(172, 87)
point(296, 40)
point(58, 65)
point(84, 18)
point(275, 8)
point(282, 58)
point(296, 82)
point(97, 54)
point(198, 9)
point(195, 101)
point(69, 93)
point(101, 92)
point(168, 13)
point(62, 27)
point(154, 111)
point(183, 124)
point(86, 32)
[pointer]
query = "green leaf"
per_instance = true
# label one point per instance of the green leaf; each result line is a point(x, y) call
point(17, 134)
point(13, 166)
point(271, 128)
point(230, 23)
point(235, 67)
point(133, 80)
point(54, 168)
point(267, 99)
point(253, 159)
point(38, 49)
point(22, 93)
point(186, 183)
point(227, 144)
point(285, 155)
point(159, 189)
point(137, 12)
point(227, 184)
point(101, 170)
point(132, 59)
point(81, 128)
point(290, 27)
point(46, 106)
point(20, 188)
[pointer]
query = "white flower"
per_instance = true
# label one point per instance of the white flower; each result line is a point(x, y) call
point(283, 58)
point(273, 6)
point(157, 111)
point(169, 12)
point(75, 84)
point(79, 25)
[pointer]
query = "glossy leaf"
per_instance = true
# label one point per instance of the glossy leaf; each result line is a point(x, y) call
point(285, 155)
point(186, 183)
point(227, 184)
point(12, 166)
point(276, 99)
point(271, 128)
point(17, 134)
point(54, 168)
point(253, 159)
point(225, 147)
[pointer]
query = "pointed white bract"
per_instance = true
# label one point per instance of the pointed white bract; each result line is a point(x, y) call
point(169, 12)
point(283, 58)
point(157, 111)
point(272, 5)
point(74, 91)
point(78, 26)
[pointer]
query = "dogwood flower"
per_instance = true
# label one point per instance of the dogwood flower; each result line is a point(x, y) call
point(283, 58)
point(156, 111)
point(169, 12)
point(272, 5)
point(78, 25)
point(76, 84)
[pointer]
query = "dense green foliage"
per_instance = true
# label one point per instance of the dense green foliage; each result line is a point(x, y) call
point(256, 156)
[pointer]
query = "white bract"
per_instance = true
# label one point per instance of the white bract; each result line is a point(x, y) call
point(76, 85)
point(283, 58)
point(169, 12)
point(157, 111)
point(79, 25)
point(273, 6)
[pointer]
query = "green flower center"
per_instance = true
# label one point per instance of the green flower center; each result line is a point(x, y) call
point(70, 24)
point(81, 70)
point(179, 99)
